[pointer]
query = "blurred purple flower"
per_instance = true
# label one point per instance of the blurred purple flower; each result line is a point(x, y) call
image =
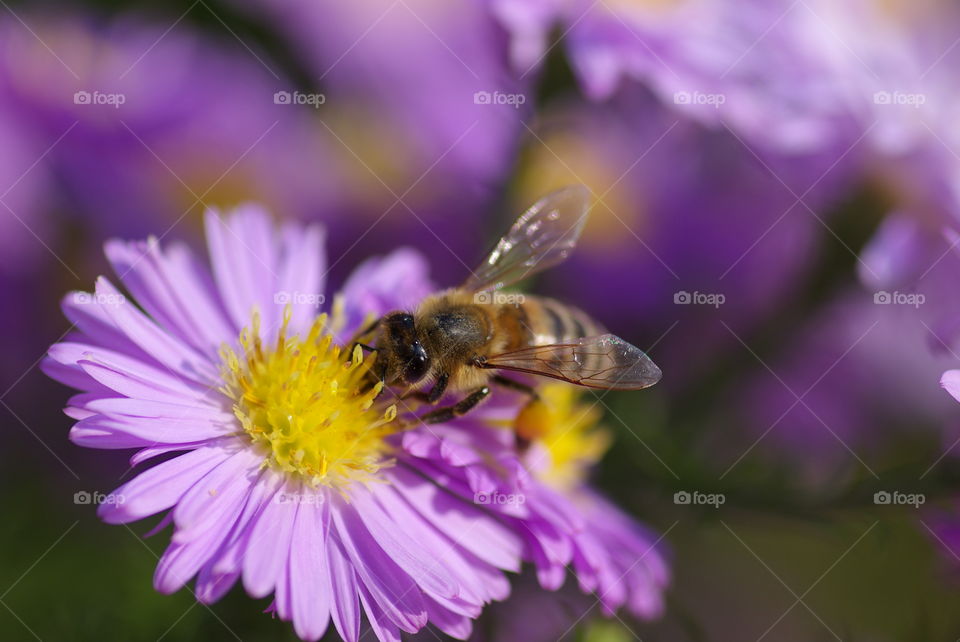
point(25, 199)
point(680, 212)
point(421, 106)
point(147, 126)
point(252, 488)
point(749, 64)
point(855, 366)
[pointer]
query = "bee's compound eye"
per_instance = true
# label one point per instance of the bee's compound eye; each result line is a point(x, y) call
point(400, 322)
point(416, 365)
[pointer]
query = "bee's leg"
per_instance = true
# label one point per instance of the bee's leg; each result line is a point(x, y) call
point(438, 388)
point(458, 409)
point(506, 382)
point(435, 393)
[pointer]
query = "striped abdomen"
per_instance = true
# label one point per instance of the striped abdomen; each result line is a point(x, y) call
point(544, 321)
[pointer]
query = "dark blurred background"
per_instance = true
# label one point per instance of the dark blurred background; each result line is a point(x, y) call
point(774, 197)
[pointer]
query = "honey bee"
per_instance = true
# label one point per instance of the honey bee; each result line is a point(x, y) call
point(462, 339)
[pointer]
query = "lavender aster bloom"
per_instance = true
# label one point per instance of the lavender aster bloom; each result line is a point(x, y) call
point(284, 474)
point(542, 495)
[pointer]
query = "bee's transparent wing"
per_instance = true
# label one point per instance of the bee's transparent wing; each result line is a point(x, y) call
point(605, 361)
point(542, 237)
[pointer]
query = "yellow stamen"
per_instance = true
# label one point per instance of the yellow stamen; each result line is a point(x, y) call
point(567, 430)
point(312, 413)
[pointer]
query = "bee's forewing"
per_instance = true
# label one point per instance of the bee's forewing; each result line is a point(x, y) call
point(542, 237)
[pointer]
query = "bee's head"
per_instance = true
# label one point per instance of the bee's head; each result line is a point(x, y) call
point(407, 361)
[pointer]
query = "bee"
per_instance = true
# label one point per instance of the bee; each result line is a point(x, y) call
point(463, 339)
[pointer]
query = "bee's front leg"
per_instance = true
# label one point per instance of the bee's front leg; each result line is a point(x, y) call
point(458, 409)
point(438, 388)
point(435, 393)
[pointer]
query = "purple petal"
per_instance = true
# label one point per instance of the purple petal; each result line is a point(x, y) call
point(268, 546)
point(160, 487)
point(165, 348)
point(174, 289)
point(465, 524)
point(211, 586)
point(144, 383)
point(343, 582)
point(214, 502)
point(391, 588)
point(95, 325)
point(244, 261)
point(301, 272)
point(308, 573)
point(398, 281)
point(383, 628)
point(121, 407)
point(951, 383)
point(99, 431)
point(454, 625)
point(420, 562)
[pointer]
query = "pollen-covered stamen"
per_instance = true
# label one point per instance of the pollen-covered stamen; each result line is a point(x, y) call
point(565, 433)
point(312, 410)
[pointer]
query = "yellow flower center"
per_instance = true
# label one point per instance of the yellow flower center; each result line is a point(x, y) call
point(567, 430)
point(311, 410)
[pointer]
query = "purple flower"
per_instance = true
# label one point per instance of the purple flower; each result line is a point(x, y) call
point(542, 495)
point(437, 127)
point(178, 121)
point(854, 366)
point(745, 63)
point(679, 211)
point(274, 463)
